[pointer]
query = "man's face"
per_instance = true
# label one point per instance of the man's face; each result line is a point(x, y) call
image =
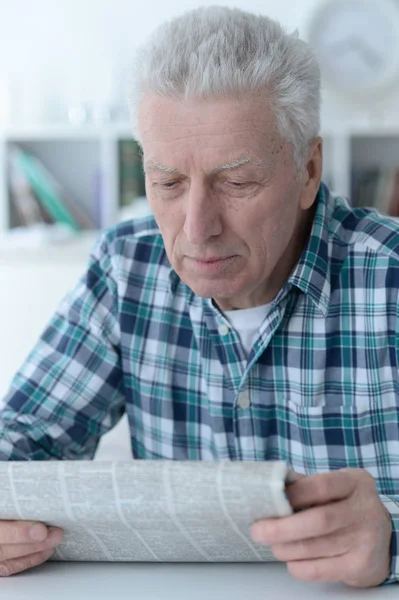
point(225, 194)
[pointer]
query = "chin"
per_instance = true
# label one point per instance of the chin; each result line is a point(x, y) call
point(211, 289)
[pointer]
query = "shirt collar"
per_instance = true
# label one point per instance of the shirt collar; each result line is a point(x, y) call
point(312, 272)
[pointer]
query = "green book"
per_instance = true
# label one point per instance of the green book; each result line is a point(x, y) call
point(131, 174)
point(44, 190)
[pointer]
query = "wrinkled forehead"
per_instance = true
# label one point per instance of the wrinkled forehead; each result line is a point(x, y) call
point(162, 117)
point(221, 132)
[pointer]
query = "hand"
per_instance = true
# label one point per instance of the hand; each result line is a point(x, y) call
point(342, 533)
point(25, 544)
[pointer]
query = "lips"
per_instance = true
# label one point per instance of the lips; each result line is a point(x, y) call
point(210, 259)
point(211, 266)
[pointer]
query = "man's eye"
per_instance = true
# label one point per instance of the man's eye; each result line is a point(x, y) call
point(237, 184)
point(169, 185)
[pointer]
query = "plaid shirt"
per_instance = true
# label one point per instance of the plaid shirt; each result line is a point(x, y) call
point(320, 388)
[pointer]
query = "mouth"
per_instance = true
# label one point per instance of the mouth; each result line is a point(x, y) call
point(212, 259)
point(210, 265)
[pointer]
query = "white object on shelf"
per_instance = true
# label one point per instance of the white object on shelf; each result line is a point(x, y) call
point(357, 43)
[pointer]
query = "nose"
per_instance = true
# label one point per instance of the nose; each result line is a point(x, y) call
point(203, 217)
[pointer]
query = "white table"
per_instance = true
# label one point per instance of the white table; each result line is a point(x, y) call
point(172, 581)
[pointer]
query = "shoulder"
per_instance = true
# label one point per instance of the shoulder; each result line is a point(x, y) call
point(131, 255)
point(363, 229)
point(135, 232)
point(134, 241)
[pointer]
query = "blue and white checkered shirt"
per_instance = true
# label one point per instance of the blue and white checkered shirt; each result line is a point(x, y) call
point(320, 388)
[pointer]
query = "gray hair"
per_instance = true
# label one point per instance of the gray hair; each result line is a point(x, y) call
point(218, 51)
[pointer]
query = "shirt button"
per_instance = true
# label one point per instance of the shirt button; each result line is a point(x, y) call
point(243, 400)
point(223, 329)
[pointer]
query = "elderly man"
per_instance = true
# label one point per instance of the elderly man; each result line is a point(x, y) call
point(255, 317)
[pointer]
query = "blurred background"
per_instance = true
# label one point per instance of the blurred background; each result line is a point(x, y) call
point(69, 167)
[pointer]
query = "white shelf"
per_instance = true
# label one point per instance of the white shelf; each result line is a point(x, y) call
point(59, 131)
point(74, 154)
point(65, 131)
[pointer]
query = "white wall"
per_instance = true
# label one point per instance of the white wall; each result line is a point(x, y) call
point(48, 47)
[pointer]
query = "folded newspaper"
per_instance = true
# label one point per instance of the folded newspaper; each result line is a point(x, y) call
point(167, 511)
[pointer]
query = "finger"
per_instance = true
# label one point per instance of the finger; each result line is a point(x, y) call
point(321, 488)
point(16, 565)
point(9, 551)
point(313, 522)
point(333, 569)
point(335, 544)
point(22, 532)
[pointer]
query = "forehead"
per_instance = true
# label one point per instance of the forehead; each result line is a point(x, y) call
point(216, 131)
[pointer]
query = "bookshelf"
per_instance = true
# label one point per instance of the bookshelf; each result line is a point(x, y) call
point(75, 154)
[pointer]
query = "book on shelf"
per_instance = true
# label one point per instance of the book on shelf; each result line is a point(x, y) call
point(376, 187)
point(26, 209)
point(56, 205)
point(131, 174)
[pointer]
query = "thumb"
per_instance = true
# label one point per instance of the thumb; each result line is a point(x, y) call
point(293, 476)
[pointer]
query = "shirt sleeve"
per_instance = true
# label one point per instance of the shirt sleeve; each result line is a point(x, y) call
point(391, 503)
point(69, 391)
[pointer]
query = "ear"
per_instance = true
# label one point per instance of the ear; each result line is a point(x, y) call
point(312, 174)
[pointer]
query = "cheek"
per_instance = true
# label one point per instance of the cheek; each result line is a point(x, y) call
point(269, 231)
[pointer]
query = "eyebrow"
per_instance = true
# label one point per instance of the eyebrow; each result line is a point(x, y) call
point(151, 165)
point(238, 163)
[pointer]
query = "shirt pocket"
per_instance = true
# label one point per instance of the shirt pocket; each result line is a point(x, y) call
point(358, 397)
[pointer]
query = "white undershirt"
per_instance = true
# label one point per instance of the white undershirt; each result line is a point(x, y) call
point(247, 322)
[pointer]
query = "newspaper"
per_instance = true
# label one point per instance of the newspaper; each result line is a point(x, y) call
point(156, 510)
